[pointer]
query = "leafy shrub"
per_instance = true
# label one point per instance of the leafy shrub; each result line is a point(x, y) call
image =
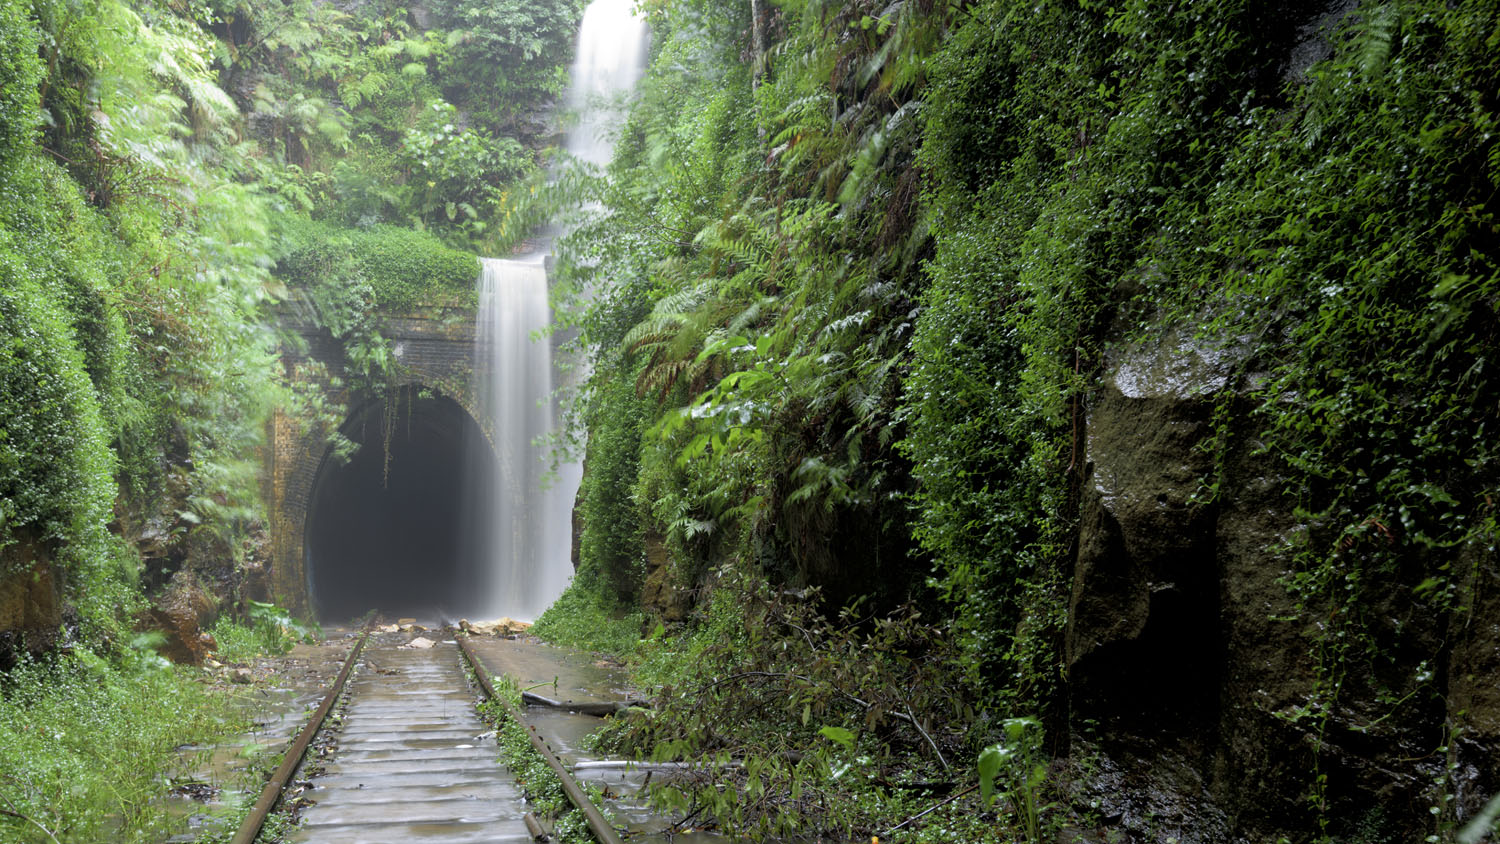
point(234, 642)
point(20, 73)
point(277, 630)
point(457, 174)
point(271, 631)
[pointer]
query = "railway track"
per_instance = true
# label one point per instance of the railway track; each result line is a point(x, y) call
point(412, 761)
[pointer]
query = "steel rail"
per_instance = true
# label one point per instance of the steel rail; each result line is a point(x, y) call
point(597, 823)
point(271, 794)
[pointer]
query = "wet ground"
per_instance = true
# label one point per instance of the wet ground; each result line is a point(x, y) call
point(412, 761)
point(215, 780)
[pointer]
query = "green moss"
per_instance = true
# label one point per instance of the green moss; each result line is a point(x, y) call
point(402, 267)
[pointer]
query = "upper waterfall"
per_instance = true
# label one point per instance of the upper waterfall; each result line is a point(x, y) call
point(530, 531)
point(611, 57)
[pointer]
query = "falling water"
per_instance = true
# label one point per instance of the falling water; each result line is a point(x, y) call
point(530, 537)
point(611, 56)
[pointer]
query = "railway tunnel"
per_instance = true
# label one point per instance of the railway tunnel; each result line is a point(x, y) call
point(399, 526)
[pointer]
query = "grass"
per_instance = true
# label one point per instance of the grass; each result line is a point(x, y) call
point(234, 642)
point(578, 619)
point(87, 745)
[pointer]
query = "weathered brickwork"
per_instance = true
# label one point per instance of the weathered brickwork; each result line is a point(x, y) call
point(435, 350)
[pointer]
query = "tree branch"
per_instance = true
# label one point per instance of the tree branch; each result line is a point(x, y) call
point(45, 831)
point(899, 716)
point(934, 807)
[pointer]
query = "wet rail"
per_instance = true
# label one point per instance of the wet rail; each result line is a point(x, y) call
point(276, 786)
point(408, 763)
point(597, 823)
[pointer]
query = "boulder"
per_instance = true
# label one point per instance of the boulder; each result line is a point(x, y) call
point(1145, 585)
point(499, 627)
point(1193, 661)
point(181, 612)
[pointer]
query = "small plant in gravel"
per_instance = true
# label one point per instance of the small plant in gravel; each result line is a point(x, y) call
point(272, 631)
point(531, 772)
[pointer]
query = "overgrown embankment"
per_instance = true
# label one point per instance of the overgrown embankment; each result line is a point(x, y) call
point(1145, 349)
point(166, 172)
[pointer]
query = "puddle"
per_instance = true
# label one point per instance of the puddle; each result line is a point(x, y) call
point(212, 784)
point(581, 677)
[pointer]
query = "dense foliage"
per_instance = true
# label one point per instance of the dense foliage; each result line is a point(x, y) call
point(863, 268)
point(383, 114)
point(137, 375)
point(170, 175)
point(858, 278)
point(159, 164)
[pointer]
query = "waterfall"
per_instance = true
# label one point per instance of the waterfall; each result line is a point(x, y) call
point(529, 540)
point(530, 537)
point(611, 57)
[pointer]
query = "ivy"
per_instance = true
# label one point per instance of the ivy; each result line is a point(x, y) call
point(55, 463)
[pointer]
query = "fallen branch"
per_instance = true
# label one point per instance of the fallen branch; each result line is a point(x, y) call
point(633, 765)
point(934, 807)
point(899, 716)
point(598, 709)
point(45, 831)
point(534, 827)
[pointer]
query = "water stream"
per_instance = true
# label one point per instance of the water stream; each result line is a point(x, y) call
point(529, 539)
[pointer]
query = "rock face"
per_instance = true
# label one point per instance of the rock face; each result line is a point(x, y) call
point(182, 611)
point(30, 601)
point(575, 546)
point(1182, 649)
point(1144, 601)
point(660, 596)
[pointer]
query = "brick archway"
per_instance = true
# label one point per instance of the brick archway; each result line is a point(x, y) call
point(435, 351)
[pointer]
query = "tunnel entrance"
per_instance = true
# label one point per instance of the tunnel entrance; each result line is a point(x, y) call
point(398, 526)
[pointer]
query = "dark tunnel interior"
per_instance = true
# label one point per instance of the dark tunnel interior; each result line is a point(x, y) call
point(402, 533)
